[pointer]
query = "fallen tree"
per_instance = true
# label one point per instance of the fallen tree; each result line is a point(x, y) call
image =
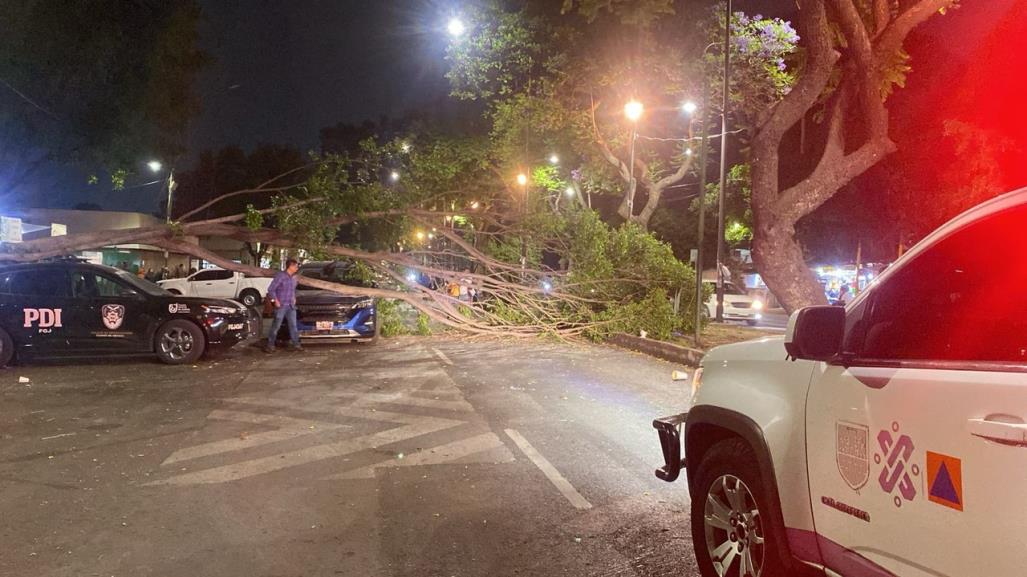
point(605, 280)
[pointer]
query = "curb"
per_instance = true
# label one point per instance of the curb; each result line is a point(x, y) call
point(659, 349)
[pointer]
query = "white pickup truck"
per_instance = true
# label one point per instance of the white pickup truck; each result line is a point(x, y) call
point(220, 283)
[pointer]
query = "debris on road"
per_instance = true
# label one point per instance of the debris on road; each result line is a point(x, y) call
point(24, 380)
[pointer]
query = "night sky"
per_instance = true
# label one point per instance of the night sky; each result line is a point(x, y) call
point(284, 69)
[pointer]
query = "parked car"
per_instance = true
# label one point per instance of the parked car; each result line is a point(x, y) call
point(738, 305)
point(70, 308)
point(221, 284)
point(887, 437)
point(327, 315)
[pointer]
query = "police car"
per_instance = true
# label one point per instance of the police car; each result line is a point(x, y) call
point(885, 438)
point(71, 308)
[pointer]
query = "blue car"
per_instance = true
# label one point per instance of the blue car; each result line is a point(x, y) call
point(330, 316)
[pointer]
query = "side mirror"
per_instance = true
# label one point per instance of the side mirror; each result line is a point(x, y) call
point(815, 333)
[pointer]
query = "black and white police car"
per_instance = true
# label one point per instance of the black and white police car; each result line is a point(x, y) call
point(70, 308)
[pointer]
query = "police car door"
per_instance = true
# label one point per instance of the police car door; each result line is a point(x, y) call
point(35, 306)
point(918, 448)
point(111, 316)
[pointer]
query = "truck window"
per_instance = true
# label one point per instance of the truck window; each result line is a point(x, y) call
point(212, 275)
point(963, 299)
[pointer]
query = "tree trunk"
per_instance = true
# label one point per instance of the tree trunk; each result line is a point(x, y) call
point(782, 266)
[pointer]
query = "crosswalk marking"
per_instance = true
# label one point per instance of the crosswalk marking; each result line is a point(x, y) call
point(484, 443)
point(420, 400)
point(559, 481)
point(288, 428)
point(270, 464)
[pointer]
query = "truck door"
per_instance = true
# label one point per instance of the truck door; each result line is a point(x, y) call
point(213, 283)
point(917, 450)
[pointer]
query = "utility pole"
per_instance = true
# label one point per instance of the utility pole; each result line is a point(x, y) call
point(723, 163)
point(700, 305)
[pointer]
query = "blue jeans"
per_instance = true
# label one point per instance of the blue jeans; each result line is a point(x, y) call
point(288, 313)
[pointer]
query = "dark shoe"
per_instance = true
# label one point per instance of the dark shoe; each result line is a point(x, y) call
point(296, 348)
point(268, 349)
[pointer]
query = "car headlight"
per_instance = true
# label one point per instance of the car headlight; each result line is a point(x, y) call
point(366, 303)
point(696, 383)
point(757, 305)
point(218, 310)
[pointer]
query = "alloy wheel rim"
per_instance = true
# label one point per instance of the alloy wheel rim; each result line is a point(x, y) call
point(176, 343)
point(733, 529)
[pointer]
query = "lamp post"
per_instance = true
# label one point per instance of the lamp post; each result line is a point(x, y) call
point(699, 304)
point(723, 163)
point(156, 166)
point(633, 110)
point(522, 179)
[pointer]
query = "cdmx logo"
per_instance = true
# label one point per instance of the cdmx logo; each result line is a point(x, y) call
point(897, 475)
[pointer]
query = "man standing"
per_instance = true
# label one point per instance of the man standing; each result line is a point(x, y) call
point(282, 292)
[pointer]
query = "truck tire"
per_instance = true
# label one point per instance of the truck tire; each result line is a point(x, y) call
point(178, 342)
point(250, 298)
point(6, 349)
point(731, 527)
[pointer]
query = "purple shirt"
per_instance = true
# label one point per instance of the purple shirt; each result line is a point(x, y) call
point(283, 289)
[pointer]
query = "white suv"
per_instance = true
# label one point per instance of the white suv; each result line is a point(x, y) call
point(884, 438)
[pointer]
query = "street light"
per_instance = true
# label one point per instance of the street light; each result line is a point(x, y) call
point(155, 165)
point(394, 176)
point(554, 159)
point(570, 191)
point(456, 27)
point(633, 110)
point(689, 107)
point(522, 179)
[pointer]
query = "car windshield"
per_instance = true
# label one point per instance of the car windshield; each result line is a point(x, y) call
point(337, 272)
point(729, 288)
point(140, 284)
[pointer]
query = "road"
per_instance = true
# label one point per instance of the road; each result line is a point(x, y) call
point(416, 457)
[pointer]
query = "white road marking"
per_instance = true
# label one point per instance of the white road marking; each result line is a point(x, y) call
point(364, 399)
point(547, 468)
point(237, 471)
point(484, 443)
point(288, 428)
point(442, 356)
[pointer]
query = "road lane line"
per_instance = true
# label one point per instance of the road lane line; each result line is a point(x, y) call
point(439, 455)
point(442, 356)
point(547, 468)
point(287, 428)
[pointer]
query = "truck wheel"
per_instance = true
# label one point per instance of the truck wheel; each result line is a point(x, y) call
point(250, 298)
point(6, 348)
point(178, 342)
point(731, 528)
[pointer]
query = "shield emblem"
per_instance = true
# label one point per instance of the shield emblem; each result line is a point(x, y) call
point(852, 453)
point(173, 308)
point(113, 316)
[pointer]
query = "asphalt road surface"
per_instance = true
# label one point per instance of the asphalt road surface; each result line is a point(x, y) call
point(416, 457)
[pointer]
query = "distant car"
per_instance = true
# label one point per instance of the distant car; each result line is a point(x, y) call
point(330, 316)
point(220, 283)
point(738, 305)
point(71, 308)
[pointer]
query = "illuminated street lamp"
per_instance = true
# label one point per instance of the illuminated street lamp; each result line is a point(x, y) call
point(420, 235)
point(554, 159)
point(394, 176)
point(570, 191)
point(522, 179)
point(456, 28)
point(155, 165)
point(633, 110)
point(689, 107)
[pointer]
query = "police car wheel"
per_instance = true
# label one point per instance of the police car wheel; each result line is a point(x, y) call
point(6, 348)
point(179, 342)
point(731, 529)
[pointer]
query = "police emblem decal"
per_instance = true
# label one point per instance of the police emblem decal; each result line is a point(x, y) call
point(113, 316)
